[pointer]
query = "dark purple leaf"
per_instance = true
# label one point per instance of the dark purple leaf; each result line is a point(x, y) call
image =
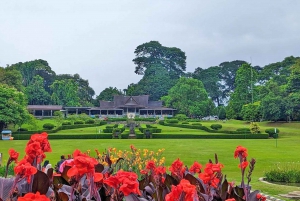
point(40, 183)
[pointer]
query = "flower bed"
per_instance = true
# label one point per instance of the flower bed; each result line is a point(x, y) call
point(117, 175)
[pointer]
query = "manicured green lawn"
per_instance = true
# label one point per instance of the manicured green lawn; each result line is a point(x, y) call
point(264, 151)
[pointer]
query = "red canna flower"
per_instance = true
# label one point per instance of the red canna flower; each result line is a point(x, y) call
point(13, 155)
point(175, 193)
point(144, 171)
point(240, 151)
point(260, 197)
point(150, 165)
point(185, 187)
point(33, 197)
point(160, 170)
point(195, 168)
point(128, 186)
point(25, 170)
point(244, 164)
point(98, 177)
point(177, 168)
point(112, 181)
point(132, 148)
point(230, 199)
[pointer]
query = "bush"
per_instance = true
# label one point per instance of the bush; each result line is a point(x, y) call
point(23, 129)
point(185, 122)
point(216, 126)
point(90, 121)
point(79, 122)
point(172, 121)
point(181, 117)
point(243, 130)
point(271, 132)
point(66, 123)
point(161, 122)
point(284, 172)
point(199, 124)
point(48, 126)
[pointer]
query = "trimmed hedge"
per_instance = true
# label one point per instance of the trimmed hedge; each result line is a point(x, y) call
point(221, 136)
point(48, 126)
point(216, 126)
point(200, 127)
point(62, 136)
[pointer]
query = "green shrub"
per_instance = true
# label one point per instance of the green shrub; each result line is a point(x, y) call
point(197, 124)
point(79, 122)
point(172, 121)
point(271, 132)
point(243, 130)
point(10, 170)
point(66, 123)
point(185, 122)
point(161, 122)
point(90, 121)
point(48, 126)
point(216, 126)
point(23, 129)
point(284, 172)
point(181, 117)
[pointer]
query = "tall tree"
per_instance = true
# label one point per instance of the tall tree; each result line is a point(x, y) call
point(189, 97)
point(108, 94)
point(12, 106)
point(156, 82)
point(84, 92)
point(12, 78)
point(171, 58)
point(65, 93)
point(243, 94)
point(36, 93)
point(210, 79)
point(228, 74)
point(30, 69)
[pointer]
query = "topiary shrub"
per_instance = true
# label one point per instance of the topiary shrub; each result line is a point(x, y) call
point(271, 132)
point(185, 122)
point(243, 130)
point(161, 122)
point(172, 121)
point(216, 126)
point(79, 122)
point(90, 121)
point(254, 128)
point(66, 123)
point(181, 117)
point(48, 126)
point(197, 124)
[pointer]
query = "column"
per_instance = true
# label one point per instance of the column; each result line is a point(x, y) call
point(42, 113)
point(51, 113)
point(76, 111)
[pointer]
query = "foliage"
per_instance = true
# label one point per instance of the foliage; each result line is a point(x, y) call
point(284, 172)
point(189, 97)
point(108, 94)
point(12, 78)
point(48, 126)
point(273, 132)
point(216, 126)
point(156, 82)
point(65, 93)
point(254, 128)
point(251, 112)
point(59, 118)
point(172, 58)
point(66, 123)
point(36, 93)
point(78, 122)
point(243, 91)
point(13, 107)
point(181, 117)
point(90, 121)
point(243, 130)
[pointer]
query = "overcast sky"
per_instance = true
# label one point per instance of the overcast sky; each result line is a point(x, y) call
point(97, 39)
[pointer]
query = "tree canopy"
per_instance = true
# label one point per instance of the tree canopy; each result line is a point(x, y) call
point(189, 97)
point(12, 106)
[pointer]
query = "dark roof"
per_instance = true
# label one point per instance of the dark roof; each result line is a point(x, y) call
point(158, 108)
point(98, 108)
point(44, 107)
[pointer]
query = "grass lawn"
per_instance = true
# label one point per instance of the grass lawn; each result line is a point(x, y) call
point(264, 151)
